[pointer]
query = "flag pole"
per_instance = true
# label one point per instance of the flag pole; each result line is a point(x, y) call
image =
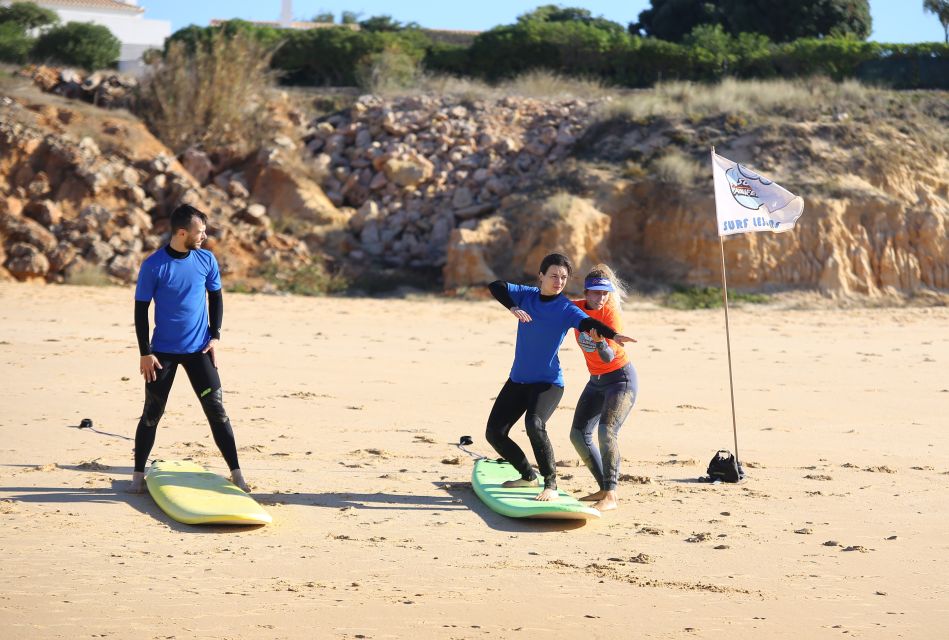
point(728, 338)
point(728, 342)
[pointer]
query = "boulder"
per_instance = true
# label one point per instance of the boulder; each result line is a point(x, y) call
point(198, 164)
point(255, 214)
point(562, 223)
point(473, 253)
point(45, 212)
point(124, 268)
point(27, 231)
point(26, 262)
point(408, 172)
point(287, 192)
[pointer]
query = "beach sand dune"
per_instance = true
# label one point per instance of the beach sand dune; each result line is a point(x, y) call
point(346, 411)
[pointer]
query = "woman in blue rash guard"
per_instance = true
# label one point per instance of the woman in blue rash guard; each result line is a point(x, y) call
point(535, 384)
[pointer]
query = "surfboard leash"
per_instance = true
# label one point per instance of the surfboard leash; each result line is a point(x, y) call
point(465, 441)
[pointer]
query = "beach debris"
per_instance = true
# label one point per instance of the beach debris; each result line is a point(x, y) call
point(51, 466)
point(831, 543)
point(818, 476)
point(804, 531)
point(93, 465)
point(452, 460)
point(699, 537)
point(688, 462)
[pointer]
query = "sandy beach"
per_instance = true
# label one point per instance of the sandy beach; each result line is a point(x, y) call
point(346, 411)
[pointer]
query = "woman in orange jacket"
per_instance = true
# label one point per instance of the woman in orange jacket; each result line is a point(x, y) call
point(611, 392)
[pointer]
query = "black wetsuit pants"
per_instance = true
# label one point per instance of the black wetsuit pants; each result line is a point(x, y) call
point(207, 386)
point(538, 401)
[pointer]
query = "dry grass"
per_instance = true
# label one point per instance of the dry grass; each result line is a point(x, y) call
point(559, 203)
point(537, 84)
point(213, 97)
point(89, 276)
point(736, 97)
point(674, 167)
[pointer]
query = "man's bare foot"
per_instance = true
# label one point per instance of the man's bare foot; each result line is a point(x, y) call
point(237, 477)
point(593, 497)
point(138, 483)
point(547, 495)
point(608, 503)
point(520, 482)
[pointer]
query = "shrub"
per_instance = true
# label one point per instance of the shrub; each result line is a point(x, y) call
point(388, 71)
point(15, 45)
point(337, 56)
point(210, 95)
point(28, 15)
point(678, 169)
point(90, 46)
point(312, 279)
point(690, 298)
point(89, 275)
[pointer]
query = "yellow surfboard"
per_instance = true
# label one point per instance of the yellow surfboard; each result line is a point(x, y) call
point(189, 493)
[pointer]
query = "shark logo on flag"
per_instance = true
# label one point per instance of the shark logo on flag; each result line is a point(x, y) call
point(743, 192)
point(746, 201)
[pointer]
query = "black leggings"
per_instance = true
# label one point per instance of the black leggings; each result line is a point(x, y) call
point(538, 400)
point(206, 384)
point(603, 406)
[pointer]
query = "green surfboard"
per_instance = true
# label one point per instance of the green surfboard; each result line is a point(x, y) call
point(518, 502)
point(190, 494)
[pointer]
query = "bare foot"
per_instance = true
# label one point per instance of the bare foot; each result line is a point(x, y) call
point(520, 482)
point(237, 477)
point(608, 503)
point(547, 495)
point(593, 497)
point(138, 483)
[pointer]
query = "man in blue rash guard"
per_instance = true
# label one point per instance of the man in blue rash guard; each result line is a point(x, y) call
point(535, 385)
point(185, 282)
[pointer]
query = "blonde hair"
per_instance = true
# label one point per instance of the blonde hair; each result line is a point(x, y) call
point(618, 295)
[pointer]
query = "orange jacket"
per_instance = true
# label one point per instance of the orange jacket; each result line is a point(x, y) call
point(611, 318)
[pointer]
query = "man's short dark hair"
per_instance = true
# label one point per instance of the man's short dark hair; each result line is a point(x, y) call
point(558, 260)
point(181, 217)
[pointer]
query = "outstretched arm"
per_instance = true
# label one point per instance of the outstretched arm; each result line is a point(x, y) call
point(590, 323)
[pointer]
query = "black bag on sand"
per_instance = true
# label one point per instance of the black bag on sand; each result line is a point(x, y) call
point(724, 467)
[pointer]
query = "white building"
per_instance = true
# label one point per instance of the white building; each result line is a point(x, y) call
point(124, 18)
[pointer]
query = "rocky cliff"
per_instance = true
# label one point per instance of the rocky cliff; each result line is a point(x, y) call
point(483, 187)
point(85, 194)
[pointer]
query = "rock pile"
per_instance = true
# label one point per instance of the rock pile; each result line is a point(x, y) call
point(101, 88)
point(406, 172)
point(68, 209)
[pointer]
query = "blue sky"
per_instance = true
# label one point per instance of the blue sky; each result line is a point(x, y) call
point(893, 20)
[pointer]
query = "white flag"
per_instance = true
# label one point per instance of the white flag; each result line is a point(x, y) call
point(747, 201)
